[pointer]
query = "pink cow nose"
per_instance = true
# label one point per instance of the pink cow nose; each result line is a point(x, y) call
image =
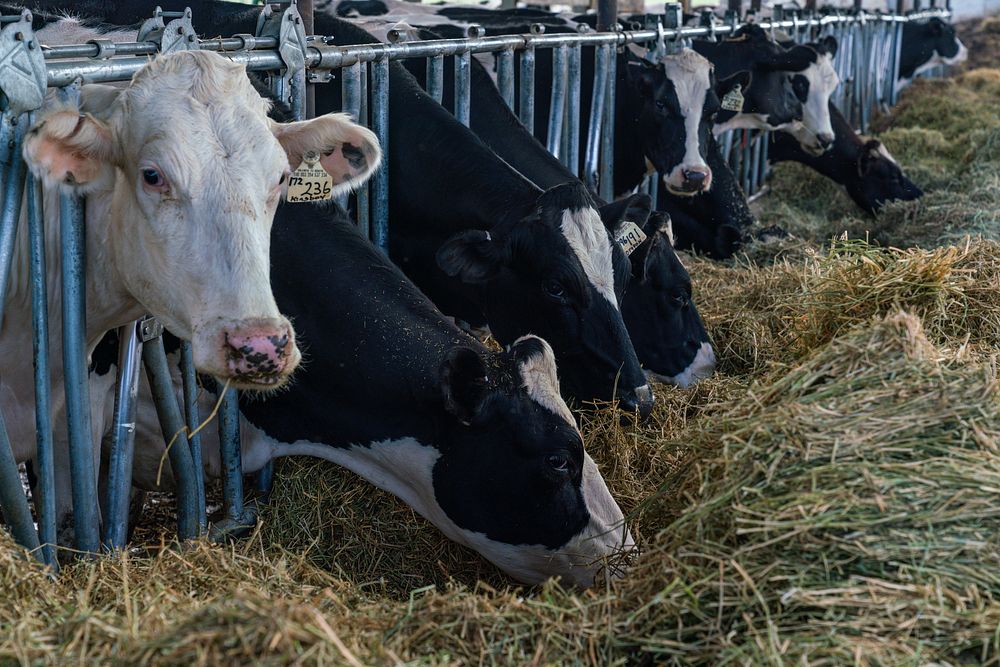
point(259, 354)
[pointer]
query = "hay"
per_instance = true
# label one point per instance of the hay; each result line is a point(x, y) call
point(831, 496)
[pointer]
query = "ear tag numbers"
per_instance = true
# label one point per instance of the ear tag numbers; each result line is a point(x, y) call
point(629, 236)
point(733, 100)
point(309, 182)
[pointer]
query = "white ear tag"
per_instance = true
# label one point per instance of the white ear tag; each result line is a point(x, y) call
point(629, 236)
point(733, 100)
point(309, 182)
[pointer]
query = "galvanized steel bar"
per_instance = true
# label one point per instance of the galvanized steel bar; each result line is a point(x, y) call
point(13, 190)
point(82, 463)
point(364, 194)
point(505, 76)
point(607, 185)
point(597, 105)
point(123, 436)
point(435, 78)
point(572, 130)
point(44, 493)
point(13, 502)
point(526, 104)
point(463, 90)
point(189, 382)
point(380, 125)
point(175, 434)
point(557, 106)
point(236, 513)
point(350, 91)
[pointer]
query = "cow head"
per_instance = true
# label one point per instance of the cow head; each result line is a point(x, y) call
point(184, 171)
point(512, 480)
point(926, 45)
point(679, 100)
point(879, 179)
point(813, 86)
point(662, 320)
point(554, 273)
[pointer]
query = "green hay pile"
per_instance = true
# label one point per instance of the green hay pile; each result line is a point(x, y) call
point(831, 496)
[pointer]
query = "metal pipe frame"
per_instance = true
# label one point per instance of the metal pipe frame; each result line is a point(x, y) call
point(505, 76)
point(526, 103)
point(435, 78)
point(572, 127)
point(463, 88)
point(237, 515)
point(597, 105)
point(607, 181)
point(189, 381)
point(557, 108)
point(380, 126)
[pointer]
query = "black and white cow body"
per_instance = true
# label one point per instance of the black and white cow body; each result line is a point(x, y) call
point(864, 168)
point(657, 305)
point(926, 45)
point(478, 442)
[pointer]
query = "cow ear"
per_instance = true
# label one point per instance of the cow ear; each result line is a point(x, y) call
point(67, 148)
point(793, 59)
point(935, 27)
point(644, 76)
point(828, 45)
point(869, 154)
point(741, 79)
point(472, 256)
point(464, 383)
point(634, 208)
point(348, 152)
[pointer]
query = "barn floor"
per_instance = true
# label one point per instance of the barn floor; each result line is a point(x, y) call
point(831, 496)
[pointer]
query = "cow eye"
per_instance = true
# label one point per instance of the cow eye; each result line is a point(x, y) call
point(660, 104)
point(152, 178)
point(558, 462)
point(554, 289)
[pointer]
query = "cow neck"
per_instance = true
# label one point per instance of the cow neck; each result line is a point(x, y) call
point(373, 344)
point(630, 158)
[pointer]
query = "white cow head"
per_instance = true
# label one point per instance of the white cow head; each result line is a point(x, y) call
point(185, 170)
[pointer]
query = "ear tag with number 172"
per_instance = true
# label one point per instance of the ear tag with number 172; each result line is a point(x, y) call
point(309, 182)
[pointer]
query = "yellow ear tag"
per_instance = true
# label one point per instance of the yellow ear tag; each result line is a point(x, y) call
point(629, 236)
point(733, 100)
point(309, 182)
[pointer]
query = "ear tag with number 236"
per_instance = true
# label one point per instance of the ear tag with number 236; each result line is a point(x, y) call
point(733, 100)
point(309, 182)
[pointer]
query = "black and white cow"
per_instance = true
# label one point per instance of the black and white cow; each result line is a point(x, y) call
point(657, 306)
point(864, 167)
point(926, 45)
point(480, 443)
point(484, 242)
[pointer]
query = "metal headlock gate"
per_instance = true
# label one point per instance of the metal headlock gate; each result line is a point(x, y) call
point(867, 62)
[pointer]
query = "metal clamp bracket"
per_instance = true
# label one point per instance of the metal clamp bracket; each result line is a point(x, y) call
point(23, 75)
point(178, 35)
point(149, 328)
point(288, 29)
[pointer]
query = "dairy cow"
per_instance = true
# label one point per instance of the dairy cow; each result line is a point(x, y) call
point(926, 45)
point(486, 244)
point(863, 167)
point(478, 442)
point(662, 319)
point(148, 157)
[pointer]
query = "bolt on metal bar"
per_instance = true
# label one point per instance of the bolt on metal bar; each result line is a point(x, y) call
point(174, 433)
point(44, 494)
point(463, 92)
point(123, 436)
point(505, 76)
point(526, 103)
point(557, 107)
point(380, 125)
point(189, 382)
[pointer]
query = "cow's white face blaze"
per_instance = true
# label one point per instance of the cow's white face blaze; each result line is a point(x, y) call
point(192, 170)
point(818, 81)
point(691, 75)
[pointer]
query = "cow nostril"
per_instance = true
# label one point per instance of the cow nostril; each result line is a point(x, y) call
point(694, 176)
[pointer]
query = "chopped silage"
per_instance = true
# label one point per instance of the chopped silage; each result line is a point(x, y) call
point(831, 496)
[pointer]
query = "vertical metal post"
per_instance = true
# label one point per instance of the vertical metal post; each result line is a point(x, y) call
point(572, 152)
point(505, 76)
point(462, 87)
point(45, 494)
point(12, 499)
point(607, 185)
point(364, 194)
point(735, 6)
point(435, 77)
point(350, 94)
point(380, 125)
point(236, 515)
point(13, 189)
point(607, 15)
point(897, 43)
point(84, 485)
point(557, 108)
point(123, 436)
point(526, 105)
point(191, 418)
point(172, 426)
point(592, 158)
point(305, 8)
